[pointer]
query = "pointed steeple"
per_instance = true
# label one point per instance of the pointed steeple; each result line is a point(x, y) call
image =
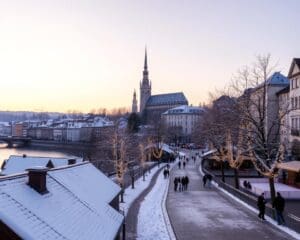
point(145, 85)
point(145, 61)
point(134, 103)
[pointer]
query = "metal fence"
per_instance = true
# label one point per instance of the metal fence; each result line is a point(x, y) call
point(251, 200)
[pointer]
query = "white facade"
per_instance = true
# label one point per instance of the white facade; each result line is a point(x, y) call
point(73, 134)
point(294, 114)
point(184, 117)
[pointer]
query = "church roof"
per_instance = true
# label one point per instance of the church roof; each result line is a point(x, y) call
point(167, 99)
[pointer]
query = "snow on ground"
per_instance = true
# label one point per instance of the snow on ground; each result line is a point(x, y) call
point(272, 221)
point(151, 218)
point(139, 186)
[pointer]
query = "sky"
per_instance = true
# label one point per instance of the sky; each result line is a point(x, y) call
point(61, 55)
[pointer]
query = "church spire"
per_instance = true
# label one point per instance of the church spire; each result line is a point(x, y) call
point(134, 103)
point(145, 85)
point(145, 62)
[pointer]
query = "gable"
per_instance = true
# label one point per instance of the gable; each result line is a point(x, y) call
point(295, 68)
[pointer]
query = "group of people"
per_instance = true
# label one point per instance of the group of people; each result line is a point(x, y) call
point(247, 185)
point(181, 183)
point(278, 204)
point(207, 178)
point(183, 164)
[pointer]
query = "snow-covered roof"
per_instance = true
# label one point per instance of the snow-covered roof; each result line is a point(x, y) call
point(184, 109)
point(276, 79)
point(18, 164)
point(75, 207)
point(163, 146)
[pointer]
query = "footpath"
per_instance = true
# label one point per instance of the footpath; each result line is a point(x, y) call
point(207, 213)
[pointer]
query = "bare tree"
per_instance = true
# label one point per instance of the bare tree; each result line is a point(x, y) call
point(262, 118)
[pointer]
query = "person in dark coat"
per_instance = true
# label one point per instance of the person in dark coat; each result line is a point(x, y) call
point(204, 179)
point(261, 204)
point(279, 204)
point(183, 164)
point(179, 184)
point(179, 164)
point(183, 183)
point(187, 180)
point(209, 179)
point(175, 184)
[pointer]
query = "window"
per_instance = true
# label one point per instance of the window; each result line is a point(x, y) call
point(292, 83)
point(296, 102)
point(292, 102)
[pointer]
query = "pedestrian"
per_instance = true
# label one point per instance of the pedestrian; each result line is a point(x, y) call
point(165, 173)
point(179, 164)
point(187, 180)
point(204, 179)
point(183, 183)
point(179, 184)
point(175, 184)
point(184, 165)
point(168, 173)
point(279, 204)
point(194, 160)
point(209, 179)
point(261, 204)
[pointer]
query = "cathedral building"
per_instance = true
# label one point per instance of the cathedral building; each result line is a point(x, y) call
point(152, 106)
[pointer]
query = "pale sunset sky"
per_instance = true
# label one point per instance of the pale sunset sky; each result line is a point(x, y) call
point(58, 55)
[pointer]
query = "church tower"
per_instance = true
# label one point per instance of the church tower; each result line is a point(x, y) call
point(134, 103)
point(145, 86)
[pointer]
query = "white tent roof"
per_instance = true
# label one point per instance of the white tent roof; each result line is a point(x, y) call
point(293, 166)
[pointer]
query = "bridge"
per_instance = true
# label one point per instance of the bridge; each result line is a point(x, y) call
point(10, 140)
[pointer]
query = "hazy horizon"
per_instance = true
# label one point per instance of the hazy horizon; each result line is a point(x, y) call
point(65, 55)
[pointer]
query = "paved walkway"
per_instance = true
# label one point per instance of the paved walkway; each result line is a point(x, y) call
point(202, 213)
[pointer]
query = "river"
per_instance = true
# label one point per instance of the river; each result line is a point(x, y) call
point(30, 151)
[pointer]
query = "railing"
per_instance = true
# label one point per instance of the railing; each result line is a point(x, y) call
point(248, 198)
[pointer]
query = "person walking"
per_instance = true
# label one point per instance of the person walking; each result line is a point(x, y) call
point(204, 179)
point(183, 183)
point(209, 179)
point(175, 184)
point(261, 204)
point(179, 184)
point(179, 164)
point(187, 180)
point(183, 164)
point(279, 204)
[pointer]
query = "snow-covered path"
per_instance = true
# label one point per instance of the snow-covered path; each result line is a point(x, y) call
point(152, 222)
point(131, 194)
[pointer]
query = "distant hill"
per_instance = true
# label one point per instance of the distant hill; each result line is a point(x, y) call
point(8, 116)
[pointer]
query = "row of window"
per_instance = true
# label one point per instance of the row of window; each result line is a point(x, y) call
point(296, 123)
point(295, 83)
point(295, 102)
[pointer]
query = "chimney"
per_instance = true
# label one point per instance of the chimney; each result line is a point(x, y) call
point(37, 179)
point(71, 161)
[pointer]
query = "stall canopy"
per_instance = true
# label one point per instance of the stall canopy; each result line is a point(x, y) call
point(293, 166)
